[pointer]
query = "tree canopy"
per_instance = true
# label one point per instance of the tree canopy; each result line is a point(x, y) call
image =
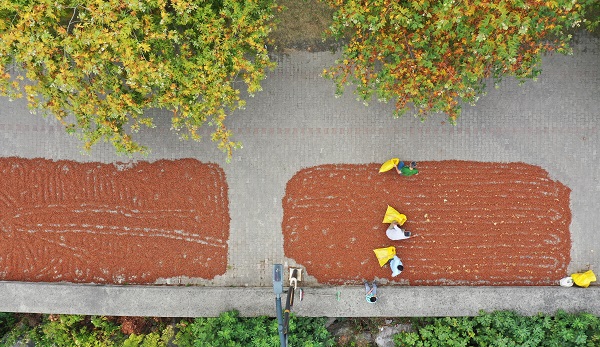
point(434, 54)
point(97, 65)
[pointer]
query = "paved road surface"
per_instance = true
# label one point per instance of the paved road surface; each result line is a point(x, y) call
point(297, 122)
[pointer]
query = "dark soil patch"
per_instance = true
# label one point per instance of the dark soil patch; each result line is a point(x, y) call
point(302, 25)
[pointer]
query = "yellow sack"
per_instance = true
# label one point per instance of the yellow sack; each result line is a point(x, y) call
point(584, 279)
point(392, 215)
point(385, 254)
point(390, 164)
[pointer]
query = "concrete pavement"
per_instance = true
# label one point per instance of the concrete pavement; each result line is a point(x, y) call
point(394, 301)
point(296, 122)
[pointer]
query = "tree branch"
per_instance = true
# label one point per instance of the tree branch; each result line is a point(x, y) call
point(72, 17)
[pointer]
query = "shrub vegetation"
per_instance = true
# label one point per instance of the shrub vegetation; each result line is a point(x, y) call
point(505, 328)
point(229, 329)
point(98, 65)
point(431, 55)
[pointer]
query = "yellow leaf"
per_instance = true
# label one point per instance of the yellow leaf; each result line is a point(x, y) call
point(145, 47)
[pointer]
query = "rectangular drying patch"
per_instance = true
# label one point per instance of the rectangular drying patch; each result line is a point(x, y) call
point(105, 223)
point(473, 223)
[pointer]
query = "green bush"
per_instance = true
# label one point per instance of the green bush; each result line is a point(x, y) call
point(75, 330)
point(502, 328)
point(229, 330)
point(505, 328)
point(150, 340)
point(7, 321)
point(592, 18)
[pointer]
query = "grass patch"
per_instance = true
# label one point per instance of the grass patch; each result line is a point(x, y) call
point(301, 25)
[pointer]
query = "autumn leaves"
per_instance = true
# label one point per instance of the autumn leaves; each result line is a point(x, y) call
point(98, 66)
